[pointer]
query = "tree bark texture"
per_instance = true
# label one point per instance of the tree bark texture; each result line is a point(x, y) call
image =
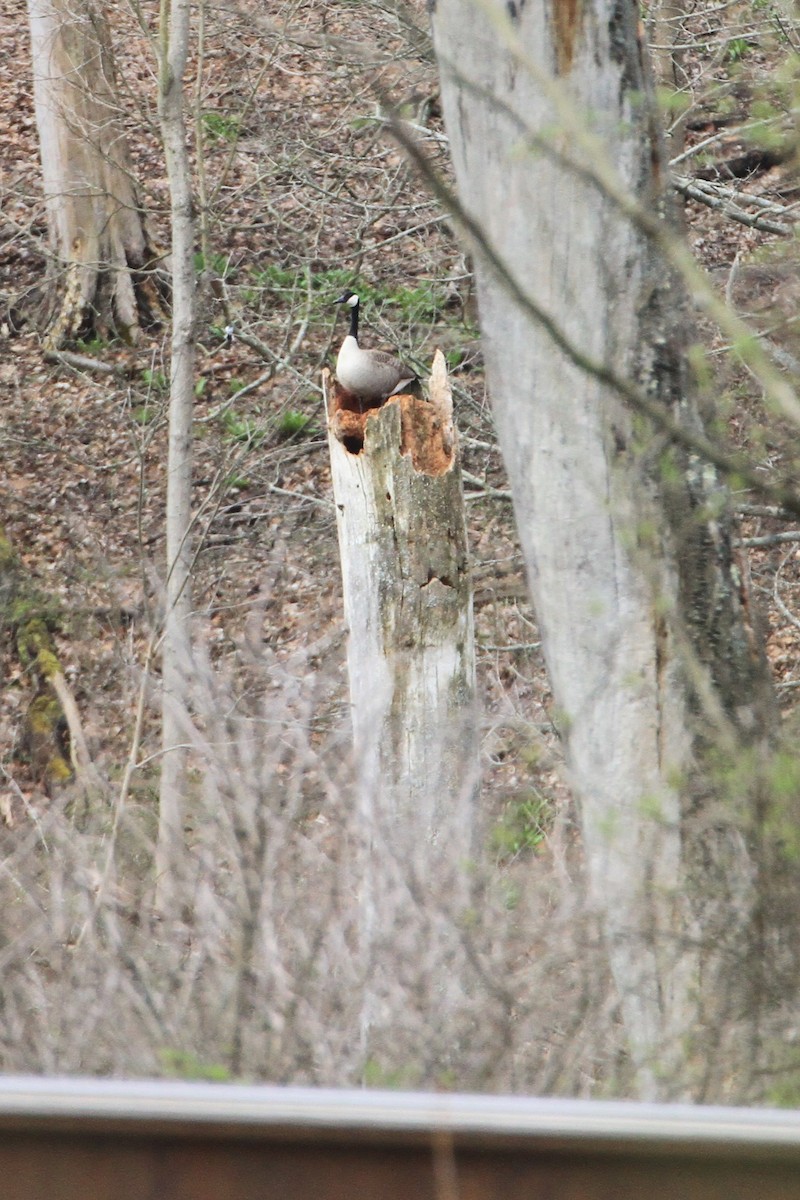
point(644, 632)
point(411, 660)
point(175, 647)
point(408, 607)
point(102, 258)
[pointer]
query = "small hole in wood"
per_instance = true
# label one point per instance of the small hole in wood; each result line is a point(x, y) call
point(352, 444)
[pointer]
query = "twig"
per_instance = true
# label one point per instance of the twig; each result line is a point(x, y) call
point(29, 809)
point(279, 491)
point(488, 493)
point(783, 608)
point(698, 147)
point(763, 510)
point(477, 444)
point(83, 362)
point(722, 198)
point(511, 646)
point(247, 516)
point(496, 493)
point(222, 408)
point(769, 539)
point(441, 219)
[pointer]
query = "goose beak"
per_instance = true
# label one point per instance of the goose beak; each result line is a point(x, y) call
point(342, 299)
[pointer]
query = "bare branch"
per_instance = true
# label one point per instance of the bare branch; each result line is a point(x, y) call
point(724, 199)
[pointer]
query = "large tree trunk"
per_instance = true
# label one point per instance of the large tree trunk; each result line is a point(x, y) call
point(643, 629)
point(101, 253)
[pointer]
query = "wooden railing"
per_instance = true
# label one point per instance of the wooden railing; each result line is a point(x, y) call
point(79, 1139)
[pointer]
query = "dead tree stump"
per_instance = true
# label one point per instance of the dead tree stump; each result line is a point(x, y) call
point(408, 606)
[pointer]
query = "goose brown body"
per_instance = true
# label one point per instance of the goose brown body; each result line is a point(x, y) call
point(370, 374)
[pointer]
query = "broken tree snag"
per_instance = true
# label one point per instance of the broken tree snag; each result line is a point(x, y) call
point(408, 607)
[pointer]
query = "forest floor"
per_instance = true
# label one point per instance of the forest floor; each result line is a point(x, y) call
point(306, 193)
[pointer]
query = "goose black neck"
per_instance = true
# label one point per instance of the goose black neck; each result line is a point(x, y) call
point(354, 321)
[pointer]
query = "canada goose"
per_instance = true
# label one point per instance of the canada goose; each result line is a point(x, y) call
point(370, 374)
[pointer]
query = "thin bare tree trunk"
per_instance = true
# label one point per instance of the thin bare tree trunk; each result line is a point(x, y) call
point(645, 638)
point(102, 259)
point(665, 32)
point(174, 45)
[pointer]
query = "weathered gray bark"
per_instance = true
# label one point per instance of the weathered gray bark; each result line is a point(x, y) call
point(629, 564)
point(408, 607)
point(411, 660)
point(101, 252)
point(174, 48)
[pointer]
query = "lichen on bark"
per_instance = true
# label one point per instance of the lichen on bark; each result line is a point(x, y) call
point(28, 615)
